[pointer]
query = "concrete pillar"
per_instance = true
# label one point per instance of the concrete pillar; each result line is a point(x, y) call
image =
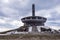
point(34, 29)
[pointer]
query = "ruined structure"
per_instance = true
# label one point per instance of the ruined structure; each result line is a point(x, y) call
point(33, 20)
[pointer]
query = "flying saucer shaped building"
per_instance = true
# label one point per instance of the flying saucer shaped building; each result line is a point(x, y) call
point(34, 20)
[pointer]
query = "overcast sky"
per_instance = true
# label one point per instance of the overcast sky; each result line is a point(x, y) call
point(11, 12)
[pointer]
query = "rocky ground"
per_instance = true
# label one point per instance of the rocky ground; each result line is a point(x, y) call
point(30, 37)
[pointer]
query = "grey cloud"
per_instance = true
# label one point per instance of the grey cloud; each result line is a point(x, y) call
point(24, 9)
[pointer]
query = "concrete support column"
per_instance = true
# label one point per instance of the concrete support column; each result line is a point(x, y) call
point(34, 29)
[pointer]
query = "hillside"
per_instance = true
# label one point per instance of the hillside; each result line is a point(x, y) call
point(30, 37)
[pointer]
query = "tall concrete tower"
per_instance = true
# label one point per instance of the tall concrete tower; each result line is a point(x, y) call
point(33, 20)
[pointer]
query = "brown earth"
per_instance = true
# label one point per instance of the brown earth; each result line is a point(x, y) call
point(30, 37)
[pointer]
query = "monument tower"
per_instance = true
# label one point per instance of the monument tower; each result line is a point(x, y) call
point(33, 20)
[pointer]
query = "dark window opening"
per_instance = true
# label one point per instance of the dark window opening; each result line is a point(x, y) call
point(39, 18)
point(28, 18)
point(33, 17)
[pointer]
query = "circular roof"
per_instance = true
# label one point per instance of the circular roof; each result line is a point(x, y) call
point(34, 17)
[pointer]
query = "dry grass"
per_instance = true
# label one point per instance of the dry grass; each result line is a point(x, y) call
point(29, 36)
